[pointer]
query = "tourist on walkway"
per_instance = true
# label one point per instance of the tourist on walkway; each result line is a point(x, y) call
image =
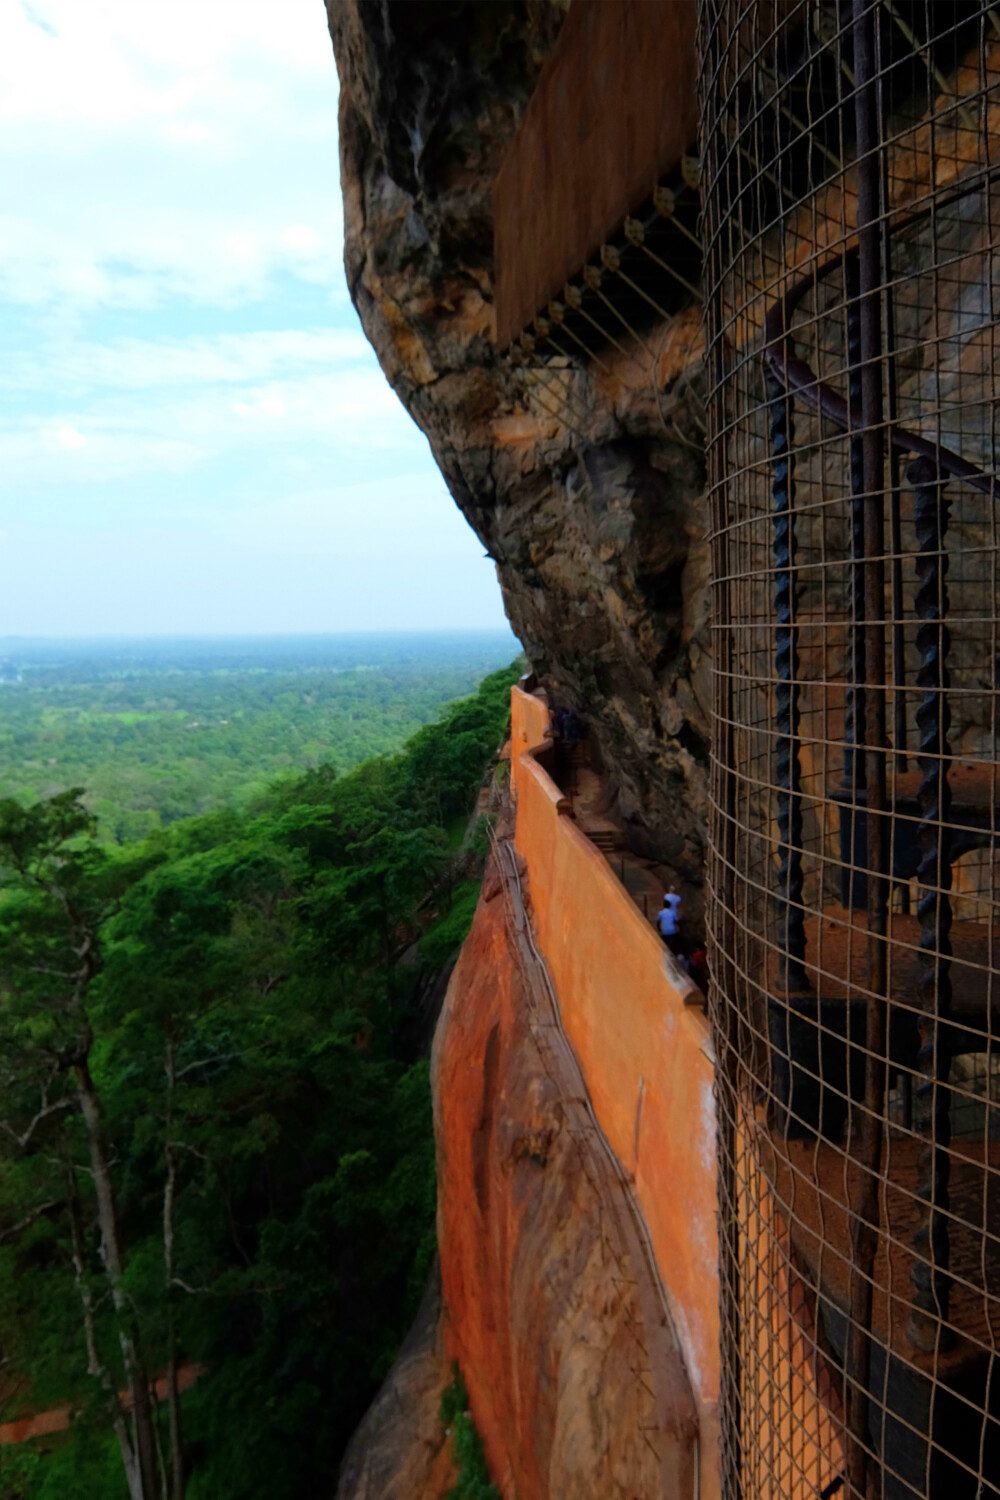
point(668, 922)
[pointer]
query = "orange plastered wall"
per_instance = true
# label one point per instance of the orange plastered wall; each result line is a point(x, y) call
point(645, 1055)
point(529, 728)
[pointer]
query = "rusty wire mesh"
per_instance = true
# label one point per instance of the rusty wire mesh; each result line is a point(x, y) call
point(626, 324)
point(850, 169)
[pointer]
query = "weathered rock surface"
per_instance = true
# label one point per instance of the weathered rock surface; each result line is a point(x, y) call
point(400, 1451)
point(541, 1312)
point(594, 519)
point(535, 1298)
point(587, 493)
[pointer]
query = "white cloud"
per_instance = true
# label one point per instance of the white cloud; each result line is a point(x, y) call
point(39, 452)
point(109, 255)
point(183, 110)
point(183, 435)
point(301, 237)
point(125, 59)
point(78, 366)
point(343, 411)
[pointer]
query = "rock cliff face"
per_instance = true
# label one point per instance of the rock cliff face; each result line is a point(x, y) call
point(596, 527)
point(593, 513)
point(540, 1304)
point(400, 1451)
point(543, 1314)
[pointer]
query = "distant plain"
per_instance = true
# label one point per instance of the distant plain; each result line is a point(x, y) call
point(159, 729)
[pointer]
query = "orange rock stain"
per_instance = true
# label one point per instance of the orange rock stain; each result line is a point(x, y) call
point(645, 1055)
point(648, 1063)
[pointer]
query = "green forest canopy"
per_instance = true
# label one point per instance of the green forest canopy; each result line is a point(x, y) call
point(161, 730)
point(223, 1027)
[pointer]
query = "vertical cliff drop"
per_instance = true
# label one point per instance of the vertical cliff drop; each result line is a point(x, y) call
point(597, 532)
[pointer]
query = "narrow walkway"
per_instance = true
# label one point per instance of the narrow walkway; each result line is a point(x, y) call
point(586, 790)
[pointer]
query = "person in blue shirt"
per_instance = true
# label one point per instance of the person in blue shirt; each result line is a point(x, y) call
point(668, 922)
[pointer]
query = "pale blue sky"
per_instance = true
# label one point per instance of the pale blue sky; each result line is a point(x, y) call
point(194, 434)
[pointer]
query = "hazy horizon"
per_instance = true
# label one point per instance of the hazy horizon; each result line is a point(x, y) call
point(195, 435)
point(260, 635)
point(280, 650)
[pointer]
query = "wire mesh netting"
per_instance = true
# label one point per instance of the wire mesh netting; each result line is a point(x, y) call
point(851, 181)
point(626, 323)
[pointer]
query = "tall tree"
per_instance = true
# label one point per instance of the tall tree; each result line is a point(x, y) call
point(61, 889)
point(215, 1138)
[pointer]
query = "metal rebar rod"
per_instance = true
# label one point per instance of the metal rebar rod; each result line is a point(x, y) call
point(532, 378)
point(723, 936)
point(933, 71)
point(816, 395)
point(574, 299)
point(854, 713)
point(687, 285)
point(788, 771)
point(895, 526)
point(801, 128)
point(561, 325)
point(867, 1140)
point(614, 265)
point(665, 203)
point(896, 590)
point(929, 1278)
